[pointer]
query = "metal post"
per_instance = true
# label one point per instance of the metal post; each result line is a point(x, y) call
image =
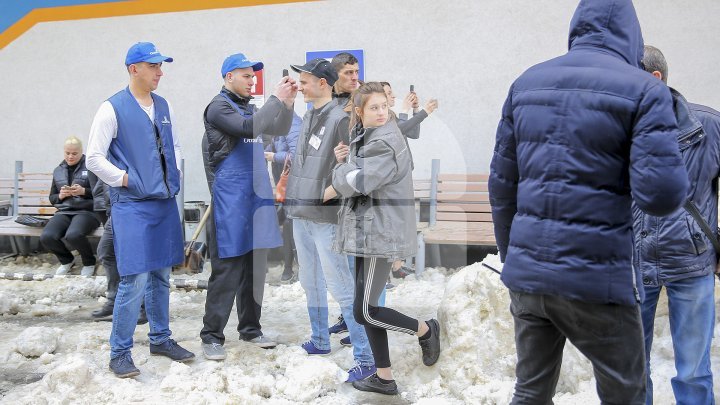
point(18, 170)
point(180, 199)
point(434, 173)
point(420, 257)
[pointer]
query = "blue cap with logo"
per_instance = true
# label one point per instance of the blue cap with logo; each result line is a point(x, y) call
point(145, 52)
point(239, 61)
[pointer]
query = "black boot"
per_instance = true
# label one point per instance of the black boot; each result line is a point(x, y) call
point(430, 343)
point(373, 384)
point(104, 313)
point(142, 319)
point(287, 275)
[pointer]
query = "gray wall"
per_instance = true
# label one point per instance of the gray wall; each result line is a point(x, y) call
point(464, 52)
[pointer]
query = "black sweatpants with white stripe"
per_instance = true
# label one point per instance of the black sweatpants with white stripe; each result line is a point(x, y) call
point(371, 273)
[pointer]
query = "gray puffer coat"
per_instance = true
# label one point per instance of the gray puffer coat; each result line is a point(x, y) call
point(377, 218)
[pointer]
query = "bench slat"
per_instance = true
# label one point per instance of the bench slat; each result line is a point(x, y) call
point(464, 217)
point(37, 210)
point(464, 197)
point(468, 178)
point(458, 233)
point(452, 207)
point(482, 187)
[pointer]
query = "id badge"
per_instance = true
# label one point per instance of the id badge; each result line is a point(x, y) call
point(315, 142)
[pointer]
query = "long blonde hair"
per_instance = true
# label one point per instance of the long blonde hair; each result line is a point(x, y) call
point(359, 98)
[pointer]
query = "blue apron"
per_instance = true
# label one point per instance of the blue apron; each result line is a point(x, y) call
point(147, 235)
point(243, 201)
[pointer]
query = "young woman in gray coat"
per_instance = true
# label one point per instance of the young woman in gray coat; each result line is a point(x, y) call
point(377, 226)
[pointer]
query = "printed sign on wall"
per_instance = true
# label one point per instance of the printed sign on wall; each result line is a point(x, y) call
point(258, 90)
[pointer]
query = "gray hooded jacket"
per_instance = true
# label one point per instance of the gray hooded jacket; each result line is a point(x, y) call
point(377, 217)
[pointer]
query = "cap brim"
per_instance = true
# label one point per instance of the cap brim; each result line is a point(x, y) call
point(158, 59)
point(299, 69)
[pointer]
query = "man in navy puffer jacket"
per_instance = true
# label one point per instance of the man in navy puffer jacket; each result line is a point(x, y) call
point(673, 252)
point(581, 137)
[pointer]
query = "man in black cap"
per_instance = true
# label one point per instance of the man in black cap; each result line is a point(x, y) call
point(315, 222)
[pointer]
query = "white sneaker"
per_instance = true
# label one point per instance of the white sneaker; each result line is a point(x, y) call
point(87, 271)
point(63, 269)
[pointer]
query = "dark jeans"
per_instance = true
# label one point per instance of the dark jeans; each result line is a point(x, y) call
point(240, 279)
point(609, 335)
point(371, 275)
point(74, 228)
point(106, 255)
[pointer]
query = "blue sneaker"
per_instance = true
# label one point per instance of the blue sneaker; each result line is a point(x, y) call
point(339, 327)
point(123, 366)
point(359, 372)
point(172, 350)
point(311, 349)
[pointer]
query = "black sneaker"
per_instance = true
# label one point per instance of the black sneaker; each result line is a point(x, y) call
point(172, 350)
point(373, 384)
point(104, 313)
point(402, 272)
point(339, 327)
point(431, 346)
point(346, 341)
point(123, 366)
point(287, 275)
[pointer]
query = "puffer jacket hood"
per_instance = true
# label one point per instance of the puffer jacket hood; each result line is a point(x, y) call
point(611, 25)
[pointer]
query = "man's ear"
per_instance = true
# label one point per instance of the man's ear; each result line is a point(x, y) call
point(657, 74)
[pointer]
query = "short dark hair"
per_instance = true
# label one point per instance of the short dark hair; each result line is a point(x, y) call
point(386, 84)
point(653, 60)
point(342, 59)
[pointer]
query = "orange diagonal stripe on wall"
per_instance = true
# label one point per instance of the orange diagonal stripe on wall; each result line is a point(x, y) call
point(116, 9)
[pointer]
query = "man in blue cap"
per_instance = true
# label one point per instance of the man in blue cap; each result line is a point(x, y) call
point(244, 224)
point(134, 148)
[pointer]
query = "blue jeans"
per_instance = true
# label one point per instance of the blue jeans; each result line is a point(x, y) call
point(323, 270)
point(155, 287)
point(691, 303)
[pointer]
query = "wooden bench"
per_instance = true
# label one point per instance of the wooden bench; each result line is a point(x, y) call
point(460, 212)
point(30, 196)
point(7, 191)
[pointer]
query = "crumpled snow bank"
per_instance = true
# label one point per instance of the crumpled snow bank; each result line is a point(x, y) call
point(48, 341)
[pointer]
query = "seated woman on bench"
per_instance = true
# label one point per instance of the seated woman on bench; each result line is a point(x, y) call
point(71, 194)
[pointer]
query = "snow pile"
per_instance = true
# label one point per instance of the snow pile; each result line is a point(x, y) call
point(9, 303)
point(36, 340)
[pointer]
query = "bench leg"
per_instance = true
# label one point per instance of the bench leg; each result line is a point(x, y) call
point(420, 258)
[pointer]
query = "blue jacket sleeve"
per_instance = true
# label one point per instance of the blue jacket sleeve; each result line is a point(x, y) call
point(290, 140)
point(658, 178)
point(503, 181)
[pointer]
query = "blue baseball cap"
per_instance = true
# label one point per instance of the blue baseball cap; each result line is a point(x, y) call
point(239, 61)
point(145, 52)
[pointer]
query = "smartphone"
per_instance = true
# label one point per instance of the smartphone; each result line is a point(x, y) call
point(285, 73)
point(412, 88)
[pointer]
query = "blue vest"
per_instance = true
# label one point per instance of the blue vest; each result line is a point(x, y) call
point(144, 149)
point(243, 201)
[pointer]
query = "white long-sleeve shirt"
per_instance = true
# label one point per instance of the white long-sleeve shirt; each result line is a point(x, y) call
point(103, 130)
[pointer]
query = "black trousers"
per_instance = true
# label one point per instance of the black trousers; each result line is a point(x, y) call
point(370, 277)
point(610, 336)
point(74, 228)
point(106, 255)
point(238, 279)
point(288, 247)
